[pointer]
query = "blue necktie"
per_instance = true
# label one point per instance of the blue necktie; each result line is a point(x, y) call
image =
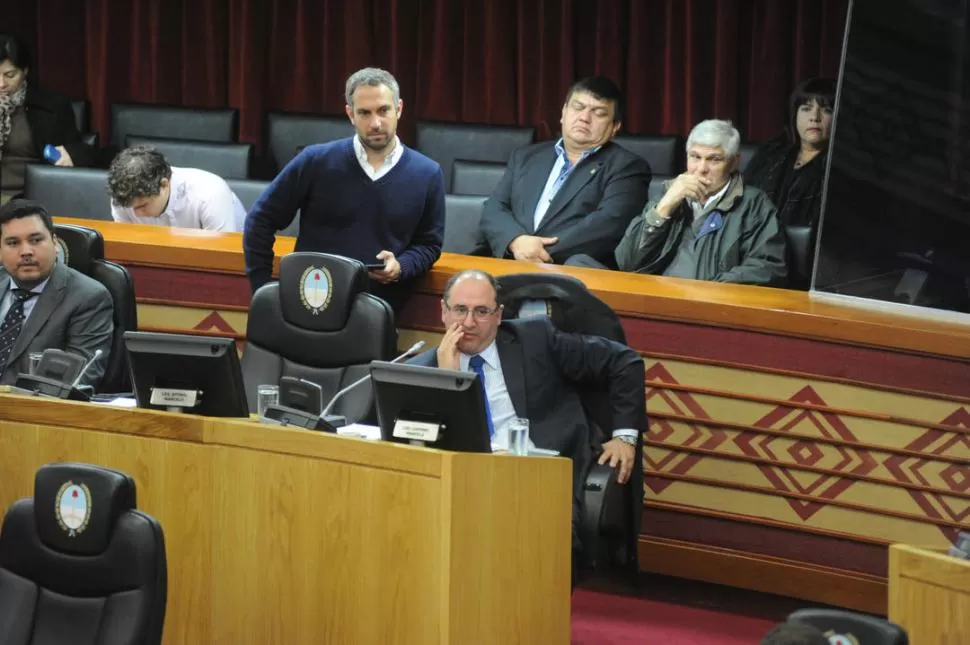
point(12, 324)
point(476, 362)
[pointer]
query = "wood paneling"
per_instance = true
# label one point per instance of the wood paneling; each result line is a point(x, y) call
point(929, 595)
point(764, 573)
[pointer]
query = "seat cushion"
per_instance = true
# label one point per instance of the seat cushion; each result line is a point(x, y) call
point(475, 177)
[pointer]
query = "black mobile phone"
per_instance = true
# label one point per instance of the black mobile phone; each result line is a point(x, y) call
point(374, 266)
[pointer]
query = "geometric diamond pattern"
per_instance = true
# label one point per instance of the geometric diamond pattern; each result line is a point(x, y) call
point(806, 422)
point(953, 472)
point(690, 435)
point(214, 321)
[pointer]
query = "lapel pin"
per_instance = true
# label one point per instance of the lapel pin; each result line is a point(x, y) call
point(592, 171)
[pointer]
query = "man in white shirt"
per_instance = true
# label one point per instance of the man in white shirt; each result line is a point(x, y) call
point(145, 189)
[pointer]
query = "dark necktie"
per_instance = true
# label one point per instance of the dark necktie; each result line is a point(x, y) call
point(12, 324)
point(477, 363)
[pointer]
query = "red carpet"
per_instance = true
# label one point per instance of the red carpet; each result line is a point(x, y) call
point(607, 619)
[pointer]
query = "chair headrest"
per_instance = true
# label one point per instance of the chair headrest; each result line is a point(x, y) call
point(76, 506)
point(79, 246)
point(317, 290)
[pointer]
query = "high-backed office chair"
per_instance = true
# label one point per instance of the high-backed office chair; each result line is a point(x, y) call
point(249, 190)
point(475, 177)
point(664, 153)
point(445, 142)
point(287, 133)
point(82, 249)
point(82, 114)
point(172, 122)
point(747, 151)
point(318, 323)
point(656, 189)
point(463, 215)
point(611, 512)
point(852, 627)
point(80, 564)
point(801, 256)
point(228, 160)
point(69, 192)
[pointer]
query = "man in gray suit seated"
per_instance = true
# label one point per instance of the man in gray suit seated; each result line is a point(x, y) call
point(44, 303)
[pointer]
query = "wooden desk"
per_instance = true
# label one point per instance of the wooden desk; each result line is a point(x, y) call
point(278, 536)
point(929, 595)
point(791, 441)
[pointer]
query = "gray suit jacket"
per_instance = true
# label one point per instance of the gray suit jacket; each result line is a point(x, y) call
point(74, 313)
point(589, 213)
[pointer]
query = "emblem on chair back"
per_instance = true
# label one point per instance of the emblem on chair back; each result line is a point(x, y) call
point(63, 253)
point(72, 507)
point(315, 289)
point(841, 639)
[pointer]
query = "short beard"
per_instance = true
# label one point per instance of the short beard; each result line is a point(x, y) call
point(377, 148)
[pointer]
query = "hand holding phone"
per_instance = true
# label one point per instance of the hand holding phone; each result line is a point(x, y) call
point(374, 266)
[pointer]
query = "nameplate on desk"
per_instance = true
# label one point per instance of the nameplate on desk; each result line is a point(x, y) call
point(175, 398)
point(416, 430)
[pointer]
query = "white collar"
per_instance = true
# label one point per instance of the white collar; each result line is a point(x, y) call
point(389, 160)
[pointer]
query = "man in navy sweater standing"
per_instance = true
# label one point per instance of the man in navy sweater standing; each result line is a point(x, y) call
point(366, 197)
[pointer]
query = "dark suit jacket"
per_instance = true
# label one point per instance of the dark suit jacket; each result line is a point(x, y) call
point(74, 313)
point(588, 214)
point(544, 370)
point(51, 120)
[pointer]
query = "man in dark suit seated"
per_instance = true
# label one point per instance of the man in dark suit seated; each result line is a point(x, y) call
point(533, 371)
point(575, 195)
point(45, 304)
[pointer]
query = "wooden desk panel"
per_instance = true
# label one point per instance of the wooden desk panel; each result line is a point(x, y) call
point(800, 435)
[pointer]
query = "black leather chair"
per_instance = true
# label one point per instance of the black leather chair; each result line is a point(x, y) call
point(445, 142)
point(69, 192)
point(656, 189)
point(852, 627)
point(665, 154)
point(80, 564)
point(287, 133)
point(463, 215)
point(610, 525)
point(82, 114)
point(228, 160)
point(327, 335)
point(82, 249)
point(475, 177)
point(801, 256)
point(249, 190)
point(747, 151)
point(172, 122)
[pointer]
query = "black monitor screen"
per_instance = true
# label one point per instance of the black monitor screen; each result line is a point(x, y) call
point(175, 361)
point(415, 393)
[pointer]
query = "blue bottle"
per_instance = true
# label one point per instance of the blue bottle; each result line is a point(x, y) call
point(51, 154)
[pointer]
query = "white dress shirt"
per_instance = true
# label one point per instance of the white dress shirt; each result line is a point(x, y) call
point(198, 199)
point(7, 300)
point(699, 209)
point(389, 161)
point(557, 177)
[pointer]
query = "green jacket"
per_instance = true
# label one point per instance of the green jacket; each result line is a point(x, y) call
point(741, 240)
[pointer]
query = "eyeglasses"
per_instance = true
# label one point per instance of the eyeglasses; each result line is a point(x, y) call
point(478, 313)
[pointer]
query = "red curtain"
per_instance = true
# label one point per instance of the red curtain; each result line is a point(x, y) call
point(486, 61)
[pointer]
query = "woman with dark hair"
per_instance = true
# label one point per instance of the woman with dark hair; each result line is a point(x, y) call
point(791, 167)
point(31, 118)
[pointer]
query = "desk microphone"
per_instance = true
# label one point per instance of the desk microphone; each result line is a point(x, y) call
point(336, 420)
point(96, 356)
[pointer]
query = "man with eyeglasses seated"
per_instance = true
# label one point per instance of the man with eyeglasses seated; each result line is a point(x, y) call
point(533, 371)
point(708, 225)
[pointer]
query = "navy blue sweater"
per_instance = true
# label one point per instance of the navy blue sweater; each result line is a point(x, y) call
point(342, 211)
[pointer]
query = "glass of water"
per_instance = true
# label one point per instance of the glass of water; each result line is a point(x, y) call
point(266, 395)
point(33, 363)
point(519, 436)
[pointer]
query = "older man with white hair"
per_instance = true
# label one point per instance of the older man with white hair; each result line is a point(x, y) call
point(708, 225)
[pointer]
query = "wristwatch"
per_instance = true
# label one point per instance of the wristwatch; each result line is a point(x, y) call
point(628, 440)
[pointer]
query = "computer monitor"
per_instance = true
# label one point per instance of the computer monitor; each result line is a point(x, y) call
point(414, 395)
point(206, 364)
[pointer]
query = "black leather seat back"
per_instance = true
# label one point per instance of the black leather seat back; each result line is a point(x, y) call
point(852, 627)
point(82, 249)
point(475, 177)
point(445, 142)
point(657, 188)
point(172, 122)
point(747, 151)
point(665, 154)
point(320, 324)
point(287, 133)
point(69, 192)
point(463, 215)
point(82, 114)
point(801, 255)
point(228, 160)
point(79, 564)
point(249, 190)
